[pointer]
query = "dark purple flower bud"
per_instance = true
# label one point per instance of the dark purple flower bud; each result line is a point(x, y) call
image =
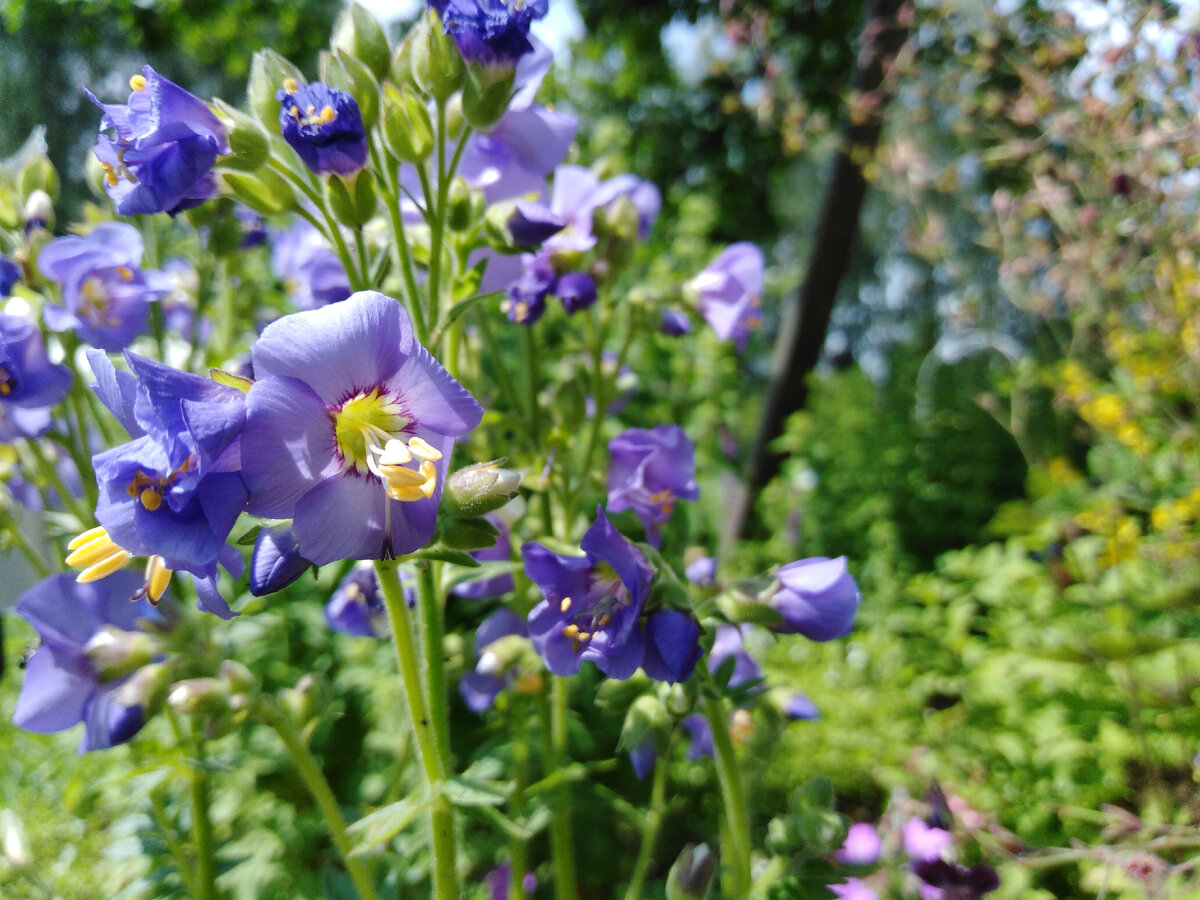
point(163, 145)
point(105, 294)
point(526, 300)
point(861, 847)
point(675, 322)
point(10, 274)
point(254, 231)
point(702, 572)
point(531, 223)
point(493, 33)
point(349, 429)
point(592, 603)
point(576, 290)
point(324, 126)
point(817, 598)
point(649, 472)
point(62, 685)
point(728, 292)
point(357, 605)
point(479, 588)
point(672, 645)
point(29, 383)
point(276, 561)
point(957, 882)
point(799, 706)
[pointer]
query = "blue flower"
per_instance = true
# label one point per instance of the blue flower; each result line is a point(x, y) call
point(276, 561)
point(650, 471)
point(492, 673)
point(163, 145)
point(10, 274)
point(311, 273)
point(63, 685)
point(576, 290)
point(672, 640)
point(817, 598)
point(29, 383)
point(105, 295)
point(357, 606)
point(728, 292)
point(494, 33)
point(324, 126)
point(592, 603)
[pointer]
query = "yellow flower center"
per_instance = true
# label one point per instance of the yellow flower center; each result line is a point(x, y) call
point(368, 429)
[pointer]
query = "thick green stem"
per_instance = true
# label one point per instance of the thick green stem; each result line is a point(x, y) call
point(314, 779)
point(391, 185)
point(430, 610)
point(554, 734)
point(434, 764)
point(205, 874)
point(518, 849)
point(654, 817)
point(736, 845)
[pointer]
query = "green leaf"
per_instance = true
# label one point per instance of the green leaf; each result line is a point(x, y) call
point(445, 554)
point(386, 822)
point(464, 792)
point(497, 819)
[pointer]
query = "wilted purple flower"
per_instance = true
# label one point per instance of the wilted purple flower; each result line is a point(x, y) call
point(853, 889)
point(63, 687)
point(728, 292)
point(349, 429)
point(357, 605)
point(799, 706)
point(324, 126)
point(702, 572)
point(672, 641)
point(576, 290)
point(105, 295)
point(160, 155)
point(493, 670)
point(501, 551)
point(675, 322)
point(957, 882)
point(10, 274)
point(592, 603)
point(493, 33)
point(176, 490)
point(311, 273)
point(29, 383)
point(862, 845)
point(923, 842)
point(651, 469)
point(498, 879)
point(817, 598)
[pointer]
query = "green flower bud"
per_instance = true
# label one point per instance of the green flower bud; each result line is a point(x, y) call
point(400, 72)
point(344, 72)
point(502, 655)
point(303, 702)
point(249, 143)
point(237, 676)
point(265, 192)
point(147, 688)
point(460, 206)
point(455, 121)
point(646, 716)
point(437, 65)
point(115, 653)
point(268, 71)
point(691, 874)
point(351, 197)
point(359, 34)
point(479, 489)
point(199, 696)
point(407, 128)
point(484, 101)
point(38, 174)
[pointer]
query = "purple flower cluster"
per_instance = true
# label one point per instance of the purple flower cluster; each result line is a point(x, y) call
point(162, 147)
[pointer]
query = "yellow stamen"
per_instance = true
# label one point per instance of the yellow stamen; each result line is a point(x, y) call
point(402, 477)
point(430, 473)
point(150, 498)
point(125, 272)
point(395, 453)
point(585, 636)
point(138, 83)
point(405, 494)
point(291, 86)
point(328, 115)
point(565, 605)
point(294, 112)
point(100, 547)
point(422, 450)
point(570, 630)
point(104, 567)
point(158, 576)
point(603, 620)
point(87, 537)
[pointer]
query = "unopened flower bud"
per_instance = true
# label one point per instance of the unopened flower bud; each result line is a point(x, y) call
point(38, 174)
point(198, 696)
point(407, 126)
point(436, 63)
point(460, 206)
point(646, 716)
point(351, 197)
point(344, 72)
point(39, 210)
point(479, 489)
point(268, 72)
point(237, 676)
point(485, 100)
point(359, 34)
point(265, 191)
point(146, 688)
point(302, 702)
point(115, 653)
point(691, 874)
point(249, 144)
point(502, 655)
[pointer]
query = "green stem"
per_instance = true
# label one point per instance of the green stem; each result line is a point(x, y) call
point(484, 321)
point(562, 841)
point(331, 230)
point(364, 259)
point(205, 873)
point(390, 178)
point(18, 539)
point(518, 849)
point(736, 847)
point(174, 845)
point(654, 817)
point(433, 763)
point(314, 779)
point(429, 608)
point(46, 469)
point(438, 220)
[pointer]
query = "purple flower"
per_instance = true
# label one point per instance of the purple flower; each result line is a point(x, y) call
point(501, 551)
point(531, 224)
point(526, 300)
point(311, 273)
point(493, 33)
point(163, 145)
point(923, 842)
point(176, 490)
point(592, 603)
point(672, 641)
point(324, 126)
point(357, 605)
point(10, 274)
point(493, 669)
point(861, 847)
point(799, 706)
point(702, 572)
point(105, 295)
point(675, 322)
point(728, 292)
point(650, 471)
point(62, 685)
point(700, 736)
point(29, 383)
point(276, 561)
point(576, 290)
point(349, 429)
point(853, 889)
point(643, 757)
point(817, 598)
point(728, 644)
